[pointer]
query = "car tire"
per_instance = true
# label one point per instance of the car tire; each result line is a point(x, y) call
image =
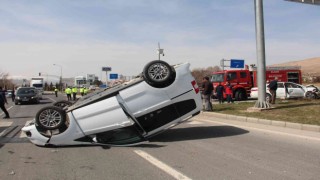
point(62, 103)
point(50, 118)
point(159, 74)
point(268, 98)
point(240, 95)
point(310, 95)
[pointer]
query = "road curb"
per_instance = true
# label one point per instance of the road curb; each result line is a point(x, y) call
point(304, 127)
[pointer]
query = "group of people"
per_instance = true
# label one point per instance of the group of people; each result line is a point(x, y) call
point(208, 89)
point(227, 89)
point(74, 91)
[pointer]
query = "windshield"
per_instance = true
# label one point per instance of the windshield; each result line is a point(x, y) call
point(37, 85)
point(26, 91)
point(217, 78)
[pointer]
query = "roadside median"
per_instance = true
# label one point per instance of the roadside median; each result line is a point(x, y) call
point(295, 114)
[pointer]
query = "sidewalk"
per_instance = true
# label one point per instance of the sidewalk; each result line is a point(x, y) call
point(305, 127)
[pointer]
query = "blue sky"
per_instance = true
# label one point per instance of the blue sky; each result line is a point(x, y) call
point(82, 36)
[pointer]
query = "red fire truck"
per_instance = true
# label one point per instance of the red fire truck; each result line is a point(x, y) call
point(243, 80)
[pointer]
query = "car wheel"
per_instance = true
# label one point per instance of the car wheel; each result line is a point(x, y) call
point(159, 74)
point(310, 95)
point(62, 104)
point(50, 118)
point(240, 95)
point(268, 98)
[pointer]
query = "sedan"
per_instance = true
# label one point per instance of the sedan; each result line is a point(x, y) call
point(161, 97)
point(26, 95)
point(287, 90)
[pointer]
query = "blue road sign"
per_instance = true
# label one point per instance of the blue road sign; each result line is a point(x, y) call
point(237, 63)
point(113, 76)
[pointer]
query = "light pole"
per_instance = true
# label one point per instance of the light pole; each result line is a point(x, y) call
point(60, 75)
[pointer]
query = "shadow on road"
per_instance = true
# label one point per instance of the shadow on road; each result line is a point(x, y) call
point(194, 133)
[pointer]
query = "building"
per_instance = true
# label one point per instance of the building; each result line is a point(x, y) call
point(85, 80)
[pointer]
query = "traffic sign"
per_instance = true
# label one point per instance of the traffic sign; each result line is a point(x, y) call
point(237, 63)
point(113, 76)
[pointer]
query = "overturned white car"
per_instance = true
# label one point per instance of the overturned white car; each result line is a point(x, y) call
point(127, 114)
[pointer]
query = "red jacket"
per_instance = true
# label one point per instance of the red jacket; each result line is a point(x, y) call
point(228, 89)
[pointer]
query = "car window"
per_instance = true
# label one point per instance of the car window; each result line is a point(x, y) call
point(280, 85)
point(127, 135)
point(26, 91)
point(231, 76)
point(217, 78)
point(243, 74)
point(289, 85)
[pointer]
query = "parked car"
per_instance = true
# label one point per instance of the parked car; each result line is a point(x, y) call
point(27, 95)
point(161, 97)
point(8, 93)
point(287, 90)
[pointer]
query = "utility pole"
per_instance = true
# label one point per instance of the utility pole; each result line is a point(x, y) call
point(261, 62)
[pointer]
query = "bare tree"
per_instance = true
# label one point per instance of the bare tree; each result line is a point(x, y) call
point(5, 82)
point(199, 73)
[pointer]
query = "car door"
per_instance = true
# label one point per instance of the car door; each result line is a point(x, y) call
point(294, 90)
point(281, 91)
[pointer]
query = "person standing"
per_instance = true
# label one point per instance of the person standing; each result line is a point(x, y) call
point(56, 91)
point(229, 92)
point(206, 93)
point(273, 86)
point(85, 91)
point(13, 95)
point(220, 90)
point(74, 92)
point(3, 101)
point(82, 91)
point(68, 91)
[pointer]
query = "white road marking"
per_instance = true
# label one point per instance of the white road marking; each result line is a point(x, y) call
point(194, 122)
point(7, 110)
point(52, 99)
point(263, 130)
point(169, 170)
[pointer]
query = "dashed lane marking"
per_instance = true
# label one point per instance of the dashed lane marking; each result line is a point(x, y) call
point(7, 110)
point(169, 170)
point(52, 99)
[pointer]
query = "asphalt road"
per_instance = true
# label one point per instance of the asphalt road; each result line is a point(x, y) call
point(202, 148)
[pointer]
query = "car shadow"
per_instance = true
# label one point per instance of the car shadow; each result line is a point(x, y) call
point(194, 133)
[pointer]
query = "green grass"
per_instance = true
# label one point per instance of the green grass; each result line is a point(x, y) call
point(297, 111)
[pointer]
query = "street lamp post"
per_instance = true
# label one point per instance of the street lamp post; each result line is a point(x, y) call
point(60, 83)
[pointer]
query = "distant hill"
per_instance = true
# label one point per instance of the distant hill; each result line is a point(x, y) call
point(308, 66)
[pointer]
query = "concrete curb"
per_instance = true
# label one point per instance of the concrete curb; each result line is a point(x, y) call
point(305, 127)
